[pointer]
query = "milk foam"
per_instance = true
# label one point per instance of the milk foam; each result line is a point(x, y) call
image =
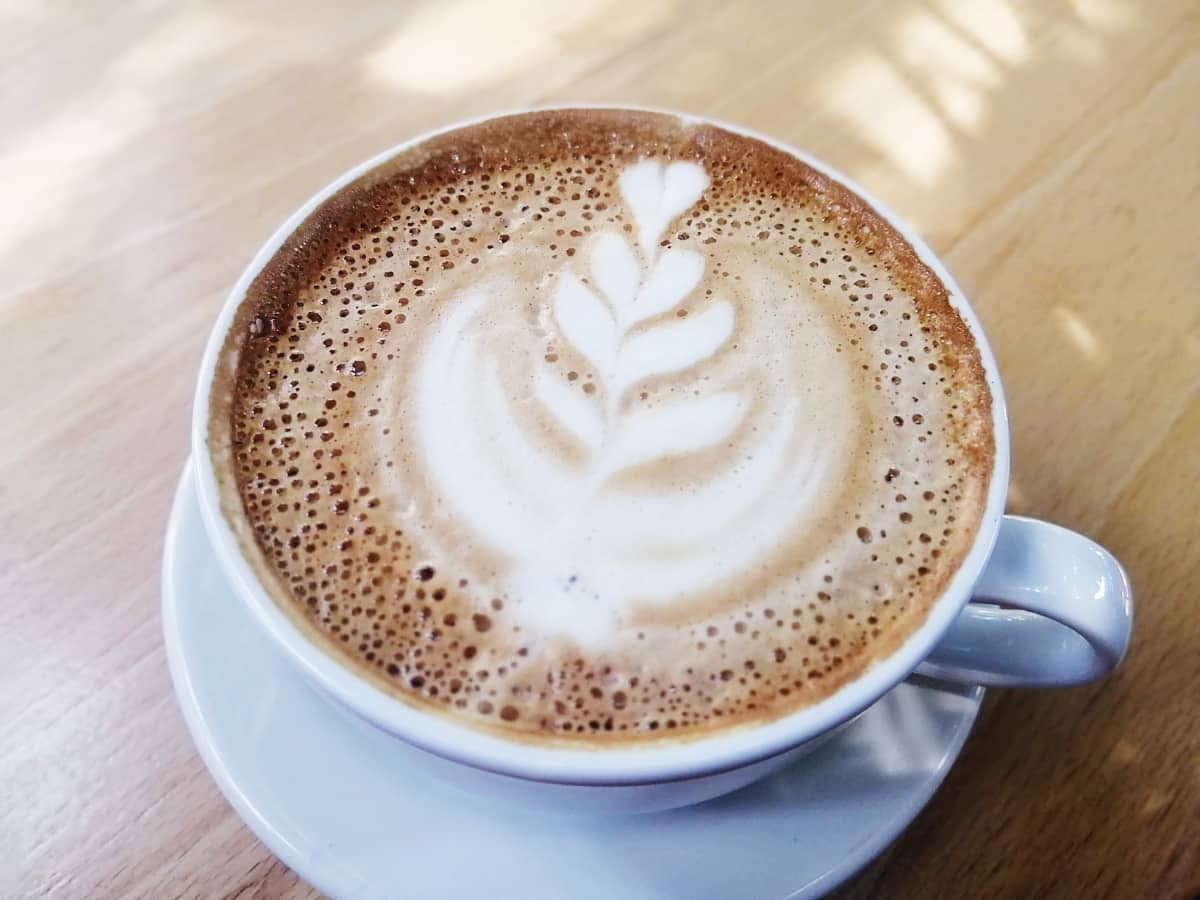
point(583, 548)
point(594, 426)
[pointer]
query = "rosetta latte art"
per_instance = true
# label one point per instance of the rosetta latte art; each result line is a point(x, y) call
point(599, 501)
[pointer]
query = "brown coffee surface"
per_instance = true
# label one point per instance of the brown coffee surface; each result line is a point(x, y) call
point(602, 427)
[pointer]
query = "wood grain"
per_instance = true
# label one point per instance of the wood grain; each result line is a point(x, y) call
point(1050, 152)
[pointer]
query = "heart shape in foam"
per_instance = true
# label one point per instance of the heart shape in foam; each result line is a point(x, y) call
point(657, 194)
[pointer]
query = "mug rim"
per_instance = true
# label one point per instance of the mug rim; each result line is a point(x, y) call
point(661, 760)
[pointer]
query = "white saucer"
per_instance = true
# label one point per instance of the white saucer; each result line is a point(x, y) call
point(342, 806)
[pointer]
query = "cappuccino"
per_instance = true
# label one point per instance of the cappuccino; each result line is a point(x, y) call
point(598, 427)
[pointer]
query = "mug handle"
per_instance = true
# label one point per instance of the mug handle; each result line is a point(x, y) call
point(1051, 608)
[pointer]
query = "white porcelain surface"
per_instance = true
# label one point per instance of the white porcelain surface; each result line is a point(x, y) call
point(1051, 608)
point(353, 811)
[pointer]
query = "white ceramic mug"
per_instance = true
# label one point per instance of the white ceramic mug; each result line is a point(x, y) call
point(1032, 604)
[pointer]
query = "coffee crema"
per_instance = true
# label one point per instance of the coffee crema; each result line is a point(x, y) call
point(599, 426)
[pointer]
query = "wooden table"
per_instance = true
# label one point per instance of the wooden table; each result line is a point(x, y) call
point(1050, 152)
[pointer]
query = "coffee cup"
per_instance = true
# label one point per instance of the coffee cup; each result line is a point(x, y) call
point(1001, 600)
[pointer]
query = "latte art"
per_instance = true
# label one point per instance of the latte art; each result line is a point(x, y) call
point(583, 547)
point(598, 426)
